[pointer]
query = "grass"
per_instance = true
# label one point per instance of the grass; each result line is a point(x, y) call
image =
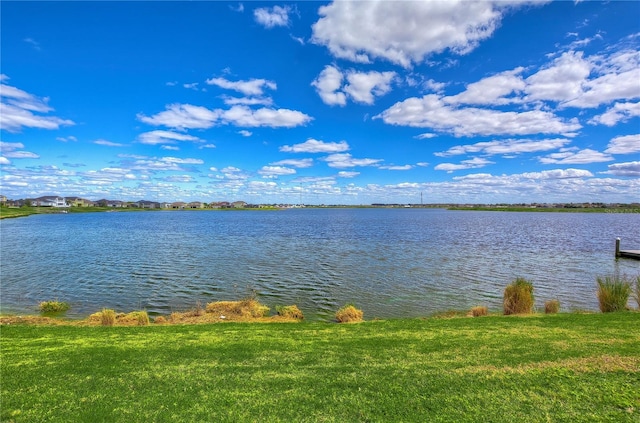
point(53, 307)
point(613, 293)
point(518, 297)
point(107, 317)
point(349, 314)
point(292, 312)
point(561, 368)
point(637, 293)
point(551, 306)
point(479, 311)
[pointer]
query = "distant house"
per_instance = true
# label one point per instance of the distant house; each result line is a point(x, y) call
point(144, 204)
point(239, 204)
point(3, 199)
point(178, 205)
point(195, 205)
point(79, 202)
point(220, 205)
point(49, 201)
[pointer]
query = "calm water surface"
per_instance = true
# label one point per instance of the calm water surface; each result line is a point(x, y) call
point(389, 262)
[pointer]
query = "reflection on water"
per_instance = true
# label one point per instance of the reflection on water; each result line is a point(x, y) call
point(390, 262)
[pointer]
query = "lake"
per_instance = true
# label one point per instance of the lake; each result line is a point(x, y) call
point(388, 262)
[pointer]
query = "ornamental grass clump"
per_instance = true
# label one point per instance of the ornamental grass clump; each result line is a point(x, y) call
point(54, 307)
point(518, 297)
point(349, 314)
point(290, 312)
point(107, 317)
point(479, 311)
point(552, 306)
point(135, 318)
point(249, 308)
point(613, 293)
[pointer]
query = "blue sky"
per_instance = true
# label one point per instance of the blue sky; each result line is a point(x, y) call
point(322, 102)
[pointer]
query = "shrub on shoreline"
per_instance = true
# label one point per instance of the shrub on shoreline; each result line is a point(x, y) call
point(290, 312)
point(54, 306)
point(249, 308)
point(613, 293)
point(518, 297)
point(552, 307)
point(107, 317)
point(349, 314)
point(479, 311)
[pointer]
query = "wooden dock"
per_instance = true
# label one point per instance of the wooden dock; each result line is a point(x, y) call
point(632, 254)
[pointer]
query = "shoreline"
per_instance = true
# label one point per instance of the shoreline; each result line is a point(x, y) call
point(11, 212)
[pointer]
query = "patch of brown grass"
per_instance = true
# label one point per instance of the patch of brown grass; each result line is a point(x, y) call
point(349, 314)
point(552, 306)
point(135, 318)
point(479, 311)
point(32, 320)
point(518, 297)
point(249, 308)
point(107, 317)
point(291, 312)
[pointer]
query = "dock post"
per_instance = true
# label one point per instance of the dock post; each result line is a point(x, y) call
point(617, 247)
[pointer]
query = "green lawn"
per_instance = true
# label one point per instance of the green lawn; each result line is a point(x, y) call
point(558, 368)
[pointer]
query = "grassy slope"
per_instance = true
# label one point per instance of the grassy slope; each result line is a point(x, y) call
point(566, 367)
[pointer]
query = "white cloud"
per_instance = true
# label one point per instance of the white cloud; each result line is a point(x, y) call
point(619, 112)
point(562, 81)
point(13, 150)
point(342, 160)
point(328, 84)
point(5, 161)
point(275, 118)
point(430, 111)
point(66, 139)
point(299, 163)
point(18, 110)
point(21, 155)
point(108, 143)
point(361, 87)
point(511, 146)
point(248, 101)
point(251, 87)
point(315, 146)
point(275, 171)
point(207, 146)
point(397, 167)
point(270, 17)
point(557, 174)
point(183, 116)
point(178, 178)
point(346, 174)
point(33, 43)
point(425, 136)
point(406, 32)
point(625, 169)
point(186, 116)
point(624, 144)
point(617, 78)
point(245, 133)
point(576, 157)
point(493, 90)
point(169, 148)
point(474, 163)
point(165, 137)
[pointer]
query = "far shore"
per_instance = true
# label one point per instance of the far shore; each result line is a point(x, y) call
point(11, 212)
